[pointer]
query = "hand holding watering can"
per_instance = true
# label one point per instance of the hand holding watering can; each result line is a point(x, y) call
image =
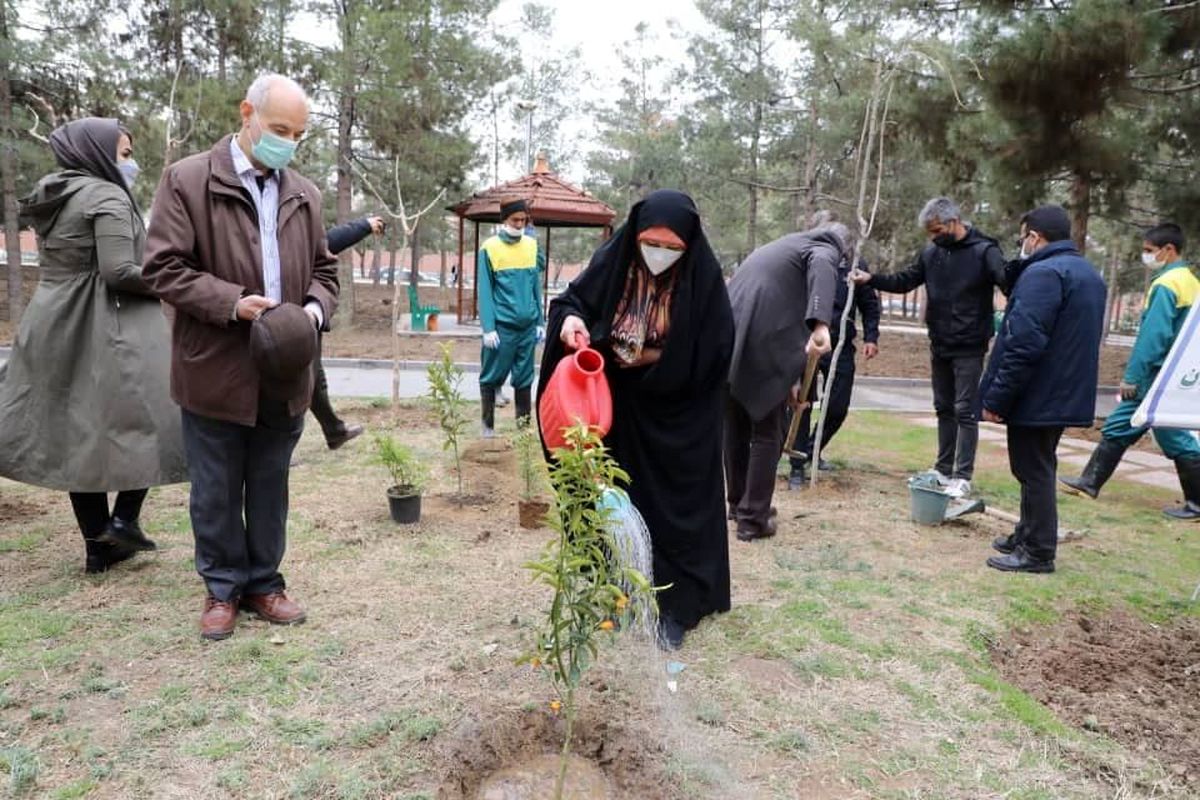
point(577, 391)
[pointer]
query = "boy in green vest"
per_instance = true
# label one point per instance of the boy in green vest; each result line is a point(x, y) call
point(1173, 290)
point(510, 310)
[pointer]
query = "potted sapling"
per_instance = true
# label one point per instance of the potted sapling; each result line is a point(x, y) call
point(408, 479)
point(531, 507)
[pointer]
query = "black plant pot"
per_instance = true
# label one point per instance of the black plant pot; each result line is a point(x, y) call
point(405, 504)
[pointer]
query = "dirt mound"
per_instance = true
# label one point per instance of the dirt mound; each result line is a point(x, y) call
point(1130, 679)
point(483, 751)
point(20, 510)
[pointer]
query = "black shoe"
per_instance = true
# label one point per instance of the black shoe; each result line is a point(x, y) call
point(670, 634)
point(339, 438)
point(1019, 560)
point(126, 534)
point(769, 530)
point(101, 556)
point(825, 466)
point(1188, 512)
point(1099, 469)
point(1005, 544)
point(797, 479)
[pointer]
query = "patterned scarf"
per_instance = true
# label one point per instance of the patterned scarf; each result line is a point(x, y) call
point(644, 313)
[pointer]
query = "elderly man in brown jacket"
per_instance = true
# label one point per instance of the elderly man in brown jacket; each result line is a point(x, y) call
point(233, 234)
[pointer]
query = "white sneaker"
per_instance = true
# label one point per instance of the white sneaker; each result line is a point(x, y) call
point(958, 488)
point(942, 479)
point(487, 433)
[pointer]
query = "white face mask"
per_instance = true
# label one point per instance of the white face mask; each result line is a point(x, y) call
point(659, 259)
point(1150, 259)
point(1024, 253)
point(513, 233)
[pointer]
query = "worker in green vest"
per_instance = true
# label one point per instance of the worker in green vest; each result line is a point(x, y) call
point(510, 310)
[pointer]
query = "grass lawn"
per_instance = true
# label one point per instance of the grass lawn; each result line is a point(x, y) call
point(860, 658)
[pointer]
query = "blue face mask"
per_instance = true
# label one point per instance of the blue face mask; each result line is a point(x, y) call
point(272, 150)
point(129, 171)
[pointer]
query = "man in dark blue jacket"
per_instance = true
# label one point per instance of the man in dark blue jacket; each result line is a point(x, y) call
point(959, 268)
point(1042, 376)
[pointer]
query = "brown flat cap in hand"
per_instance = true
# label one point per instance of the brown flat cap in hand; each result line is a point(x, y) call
point(283, 344)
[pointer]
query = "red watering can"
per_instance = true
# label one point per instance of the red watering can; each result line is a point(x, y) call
point(576, 392)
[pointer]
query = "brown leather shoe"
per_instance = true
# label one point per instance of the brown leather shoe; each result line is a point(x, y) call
point(275, 608)
point(219, 618)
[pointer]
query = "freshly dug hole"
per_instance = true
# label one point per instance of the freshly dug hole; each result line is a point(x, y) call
point(1120, 675)
point(512, 752)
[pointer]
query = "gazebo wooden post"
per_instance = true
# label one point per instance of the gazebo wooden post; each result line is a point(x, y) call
point(462, 234)
point(546, 277)
point(475, 272)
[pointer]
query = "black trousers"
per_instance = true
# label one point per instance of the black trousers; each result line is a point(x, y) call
point(239, 498)
point(837, 406)
point(752, 450)
point(1034, 463)
point(321, 406)
point(92, 514)
point(955, 388)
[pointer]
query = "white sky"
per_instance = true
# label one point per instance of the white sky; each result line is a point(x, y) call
point(598, 29)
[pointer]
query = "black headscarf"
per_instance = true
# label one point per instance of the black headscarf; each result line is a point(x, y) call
point(599, 288)
point(90, 145)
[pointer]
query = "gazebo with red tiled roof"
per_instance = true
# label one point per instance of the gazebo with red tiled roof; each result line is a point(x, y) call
point(553, 203)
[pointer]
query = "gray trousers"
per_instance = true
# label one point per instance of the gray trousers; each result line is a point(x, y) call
point(955, 388)
point(239, 498)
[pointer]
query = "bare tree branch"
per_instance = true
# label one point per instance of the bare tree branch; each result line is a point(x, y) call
point(1187, 87)
point(37, 118)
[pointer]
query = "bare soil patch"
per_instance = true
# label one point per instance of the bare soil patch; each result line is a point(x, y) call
point(1120, 675)
point(20, 510)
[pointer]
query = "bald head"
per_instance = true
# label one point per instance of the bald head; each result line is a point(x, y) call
point(274, 104)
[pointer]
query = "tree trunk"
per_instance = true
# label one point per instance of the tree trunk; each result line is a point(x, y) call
point(416, 254)
point(1081, 197)
point(393, 245)
point(345, 144)
point(1113, 264)
point(8, 165)
point(442, 281)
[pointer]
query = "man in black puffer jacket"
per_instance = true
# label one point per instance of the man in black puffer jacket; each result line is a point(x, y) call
point(959, 268)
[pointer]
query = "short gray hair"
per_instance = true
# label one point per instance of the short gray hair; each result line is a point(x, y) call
point(826, 221)
point(258, 92)
point(939, 209)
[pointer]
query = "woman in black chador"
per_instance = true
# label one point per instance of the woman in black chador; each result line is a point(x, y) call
point(653, 302)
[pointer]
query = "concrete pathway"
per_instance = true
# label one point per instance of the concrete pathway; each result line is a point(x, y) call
point(1151, 469)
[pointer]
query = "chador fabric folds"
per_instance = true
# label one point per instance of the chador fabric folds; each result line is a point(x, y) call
point(667, 415)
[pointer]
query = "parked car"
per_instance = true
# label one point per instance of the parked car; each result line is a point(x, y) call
point(423, 278)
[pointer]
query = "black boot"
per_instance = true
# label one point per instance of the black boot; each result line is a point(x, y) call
point(127, 534)
point(1099, 469)
point(101, 556)
point(524, 401)
point(487, 400)
point(1188, 469)
point(796, 478)
point(1007, 544)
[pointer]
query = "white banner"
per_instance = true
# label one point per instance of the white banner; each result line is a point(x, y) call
point(1174, 399)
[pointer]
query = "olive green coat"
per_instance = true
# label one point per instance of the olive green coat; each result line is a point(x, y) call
point(84, 398)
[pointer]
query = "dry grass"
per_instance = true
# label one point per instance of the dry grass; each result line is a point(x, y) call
point(853, 663)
